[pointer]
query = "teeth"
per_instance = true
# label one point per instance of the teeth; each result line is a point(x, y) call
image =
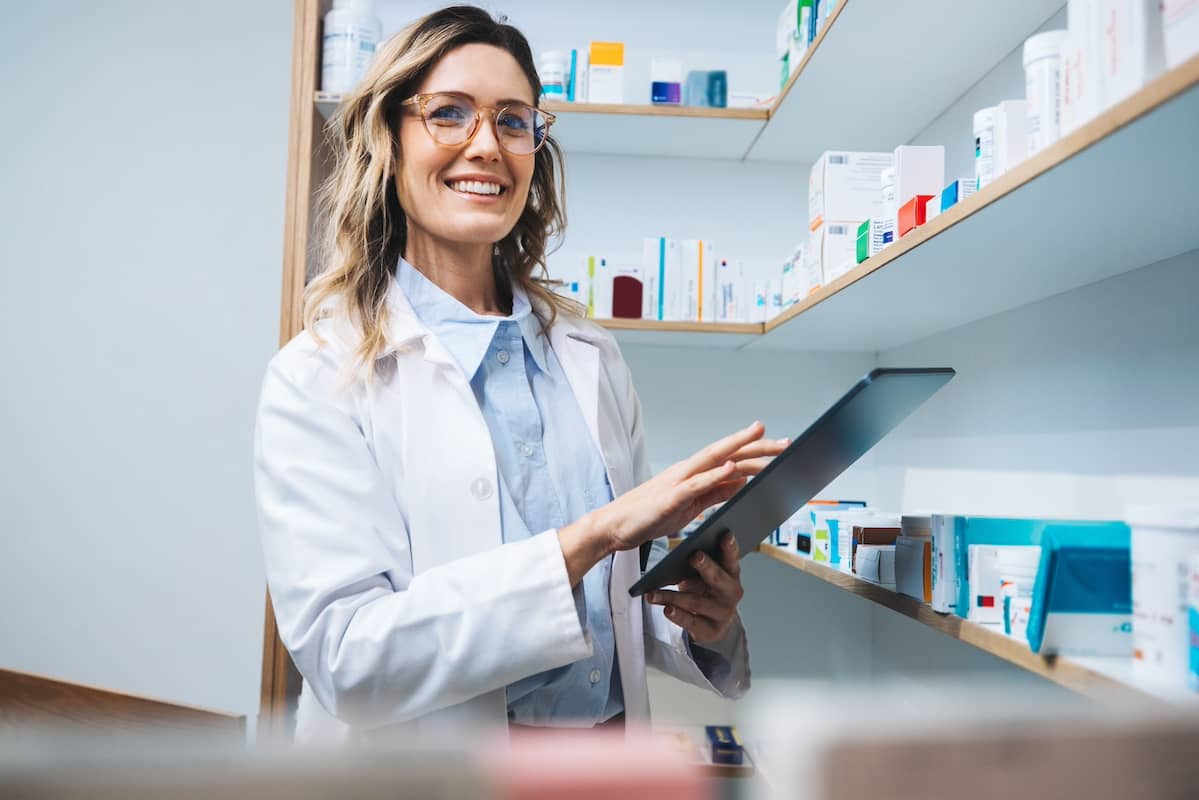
point(475, 187)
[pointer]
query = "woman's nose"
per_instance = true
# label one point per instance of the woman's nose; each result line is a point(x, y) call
point(484, 145)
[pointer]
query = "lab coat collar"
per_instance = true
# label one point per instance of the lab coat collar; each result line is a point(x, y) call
point(417, 307)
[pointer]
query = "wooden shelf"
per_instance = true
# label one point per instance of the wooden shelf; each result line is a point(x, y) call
point(1114, 196)
point(1111, 197)
point(1098, 677)
point(879, 73)
point(644, 332)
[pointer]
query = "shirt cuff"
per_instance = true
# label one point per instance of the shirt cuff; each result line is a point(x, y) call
point(715, 659)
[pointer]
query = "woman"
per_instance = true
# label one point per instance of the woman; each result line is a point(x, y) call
point(450, 463)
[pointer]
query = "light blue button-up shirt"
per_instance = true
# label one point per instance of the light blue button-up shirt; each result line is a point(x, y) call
point(550, 474)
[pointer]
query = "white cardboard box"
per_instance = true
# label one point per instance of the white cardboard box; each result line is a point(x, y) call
point(1131, 47)
point(664, 290)
point(1180, 23)
point(844, 185)
point(836, 242)
point(1011, 135)
point(1079, 72)
point(918, 170)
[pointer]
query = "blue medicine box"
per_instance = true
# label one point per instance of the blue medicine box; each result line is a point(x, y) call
point(999, 531)
point(1082, 599)
point(726, 745)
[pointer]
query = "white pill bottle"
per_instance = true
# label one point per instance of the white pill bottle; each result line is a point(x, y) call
point(352, 32)
point(1042, 88)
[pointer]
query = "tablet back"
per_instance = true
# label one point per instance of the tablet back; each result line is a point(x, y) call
point(842, 435)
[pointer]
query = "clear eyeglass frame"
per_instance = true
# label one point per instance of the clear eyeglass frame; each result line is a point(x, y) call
point(461, 135)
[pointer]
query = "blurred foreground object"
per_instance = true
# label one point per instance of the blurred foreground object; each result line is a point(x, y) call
point(593, 765)
point(954, 741)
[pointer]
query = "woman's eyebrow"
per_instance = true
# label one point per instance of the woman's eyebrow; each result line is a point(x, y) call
point(507, 101)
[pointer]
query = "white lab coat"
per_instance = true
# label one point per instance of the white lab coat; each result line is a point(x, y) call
point(380, 520)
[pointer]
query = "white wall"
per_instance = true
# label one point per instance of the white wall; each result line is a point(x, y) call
point(703, 34)
point(144, 157)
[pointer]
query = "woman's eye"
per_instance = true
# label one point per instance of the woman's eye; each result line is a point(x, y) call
point(514, 123)
point(449, 115)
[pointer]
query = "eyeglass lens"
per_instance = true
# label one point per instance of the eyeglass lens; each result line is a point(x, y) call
point(451, 120)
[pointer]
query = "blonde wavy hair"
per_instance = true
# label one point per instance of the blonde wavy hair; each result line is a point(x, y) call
point(364, 228)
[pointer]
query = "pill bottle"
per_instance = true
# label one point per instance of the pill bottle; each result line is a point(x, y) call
point(553, 67)
point(1042, 88)
point(352, 32)
point(984, 147)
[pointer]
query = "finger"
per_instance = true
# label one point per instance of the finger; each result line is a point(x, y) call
point(719, 494)
point(762, 447)
point(698, 485)
point(719, 451)
point(730, 556)
point(722, 584)
point(700, 628)
point(698, 604)
point(752, 466)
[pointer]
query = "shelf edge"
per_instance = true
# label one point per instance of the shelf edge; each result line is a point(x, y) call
point(1060, 670)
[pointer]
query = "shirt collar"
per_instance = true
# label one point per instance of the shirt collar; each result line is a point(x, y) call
point(464, 333)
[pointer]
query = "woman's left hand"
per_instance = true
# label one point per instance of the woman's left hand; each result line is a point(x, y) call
point(706, 607)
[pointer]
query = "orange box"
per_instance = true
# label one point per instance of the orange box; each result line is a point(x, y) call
point(911, 214)
point(607, 54)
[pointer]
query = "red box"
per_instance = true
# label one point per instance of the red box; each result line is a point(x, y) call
point(626, 297)
point(911, 214)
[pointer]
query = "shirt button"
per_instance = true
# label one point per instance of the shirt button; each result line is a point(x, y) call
point(526, 451)
point(594, 677)
point(502, 356)
point(480, 488)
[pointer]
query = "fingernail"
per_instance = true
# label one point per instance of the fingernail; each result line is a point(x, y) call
point(785, 440)
point(729, 542)
point(699, 559)
point(670, 611)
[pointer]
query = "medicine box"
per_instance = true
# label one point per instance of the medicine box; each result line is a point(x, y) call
point(699, 281)
point(869, 535)
point(911, 214)
point(836, 243)
point(725, 744)
point(1079, 67)
point(730, 292)
point(606, 73)
point(919, 170)
point(794, 280)
point(1180, 23)
point(913, 567)
point(1011, 135)
point(1131, 47)
point(956, 192)
point(662, 274)
point(1082, 601)
point(991, 569)
point(627, 295)
point(844, 185)
point(876, 563)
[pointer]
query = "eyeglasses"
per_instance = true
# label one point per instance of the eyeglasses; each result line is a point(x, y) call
point(453, 120)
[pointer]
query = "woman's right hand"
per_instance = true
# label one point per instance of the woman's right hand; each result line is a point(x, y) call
point(668, 501)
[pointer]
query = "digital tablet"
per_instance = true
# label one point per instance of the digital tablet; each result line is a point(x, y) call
point(842, 435)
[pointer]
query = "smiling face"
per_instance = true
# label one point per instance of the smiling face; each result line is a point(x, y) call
point(470, 194)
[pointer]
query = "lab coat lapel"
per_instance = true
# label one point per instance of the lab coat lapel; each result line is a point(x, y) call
point(447, 452)
point(580, 360)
